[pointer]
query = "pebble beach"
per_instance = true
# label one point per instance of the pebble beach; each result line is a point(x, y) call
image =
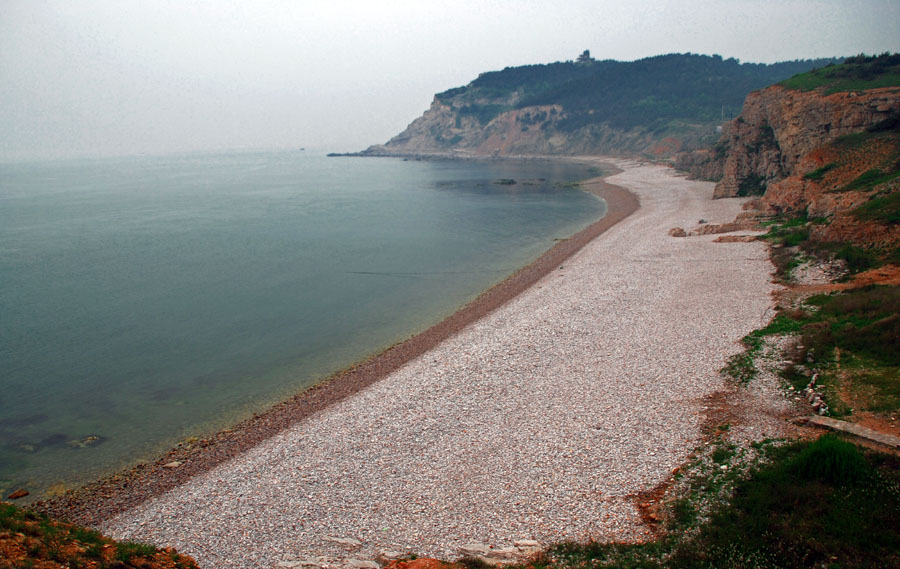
point(538, 421)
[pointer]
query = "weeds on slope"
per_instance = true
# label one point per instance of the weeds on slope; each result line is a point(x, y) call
point(825, 503)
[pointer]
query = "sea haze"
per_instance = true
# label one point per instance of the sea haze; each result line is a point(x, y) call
point(146, 300)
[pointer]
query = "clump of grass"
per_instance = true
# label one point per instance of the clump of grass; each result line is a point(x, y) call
point(742, 366)
point(882, 209)
point(868, 180)
point(723, 453)
point(831, 460)
point(857, 258)
point(127, 550)
point(785, 234)
point(819, 173)
point(44, 542)
point(794, 376)
point(865, 321)
point(470, 562)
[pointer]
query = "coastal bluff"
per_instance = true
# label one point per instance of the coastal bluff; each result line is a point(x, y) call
point(653, 107)
point(823, 146)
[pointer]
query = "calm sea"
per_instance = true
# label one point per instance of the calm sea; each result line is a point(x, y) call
point(147, 300)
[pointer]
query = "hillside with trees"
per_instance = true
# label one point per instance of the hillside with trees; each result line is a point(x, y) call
point(654, 106)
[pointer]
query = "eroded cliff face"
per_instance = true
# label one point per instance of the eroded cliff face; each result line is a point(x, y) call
point(778, 127)
point(448, 129)
point(822, 156)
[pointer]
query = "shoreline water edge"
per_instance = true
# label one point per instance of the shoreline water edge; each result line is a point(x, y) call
point(103, 499)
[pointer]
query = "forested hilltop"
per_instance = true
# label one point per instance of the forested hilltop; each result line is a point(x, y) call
point(654, 106)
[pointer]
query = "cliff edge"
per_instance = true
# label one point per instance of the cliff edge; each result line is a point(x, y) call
point(824, 145)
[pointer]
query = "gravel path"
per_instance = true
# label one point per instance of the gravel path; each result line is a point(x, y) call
point(536, 422)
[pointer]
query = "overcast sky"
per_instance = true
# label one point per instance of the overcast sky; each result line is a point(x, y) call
point(95, 78)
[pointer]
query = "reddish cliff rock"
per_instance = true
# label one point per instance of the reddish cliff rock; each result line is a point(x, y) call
point(778, 127)
point(705, 164)
point(821, 155)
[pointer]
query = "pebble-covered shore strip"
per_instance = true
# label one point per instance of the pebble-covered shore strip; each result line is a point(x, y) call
point(534, 424)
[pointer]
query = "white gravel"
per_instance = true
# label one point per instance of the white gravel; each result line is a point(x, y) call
point(535, 422)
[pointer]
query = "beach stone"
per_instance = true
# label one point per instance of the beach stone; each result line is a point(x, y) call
point(506, 553)
point(361, 564)
point(677, 232)
point(173, 464)
point(345, 541)
point(528, 546)
point(20, 493)
point(384, 557)
point(475, 549)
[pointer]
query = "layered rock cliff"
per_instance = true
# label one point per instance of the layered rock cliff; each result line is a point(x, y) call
point(829, 153)
point(447, 130)
point(777, 128)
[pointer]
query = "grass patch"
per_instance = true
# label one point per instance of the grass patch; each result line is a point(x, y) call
point(824, 503)
point(868, 180)
point(863, 327)
point(34, 540)
point(127, 550)
point(742, 366)
point(857, 258)
point(882, 209)
point(876, 387)
point(819, 173)
point(785, 234)
point(864, 322)
point(850, 336)
point(855, 74)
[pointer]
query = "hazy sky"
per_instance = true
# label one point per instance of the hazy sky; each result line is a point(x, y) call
point(152, 76)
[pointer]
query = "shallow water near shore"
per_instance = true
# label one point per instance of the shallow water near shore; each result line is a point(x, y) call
point(147, 300)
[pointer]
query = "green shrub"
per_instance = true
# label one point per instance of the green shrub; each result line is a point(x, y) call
point(830, 459)
point(868, 180)
point(125, 550)
point(883, 209)
point(865, 321)
point(819, 173)
point(857, 259)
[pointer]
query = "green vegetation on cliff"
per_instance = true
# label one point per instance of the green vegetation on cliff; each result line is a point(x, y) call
point(856, 73)
point(825, 503)
point(648, 92)
point(29, 539)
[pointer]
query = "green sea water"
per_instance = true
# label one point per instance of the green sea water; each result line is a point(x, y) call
point(146, 300)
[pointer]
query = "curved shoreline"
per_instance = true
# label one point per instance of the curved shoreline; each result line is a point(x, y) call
point(101, 500)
